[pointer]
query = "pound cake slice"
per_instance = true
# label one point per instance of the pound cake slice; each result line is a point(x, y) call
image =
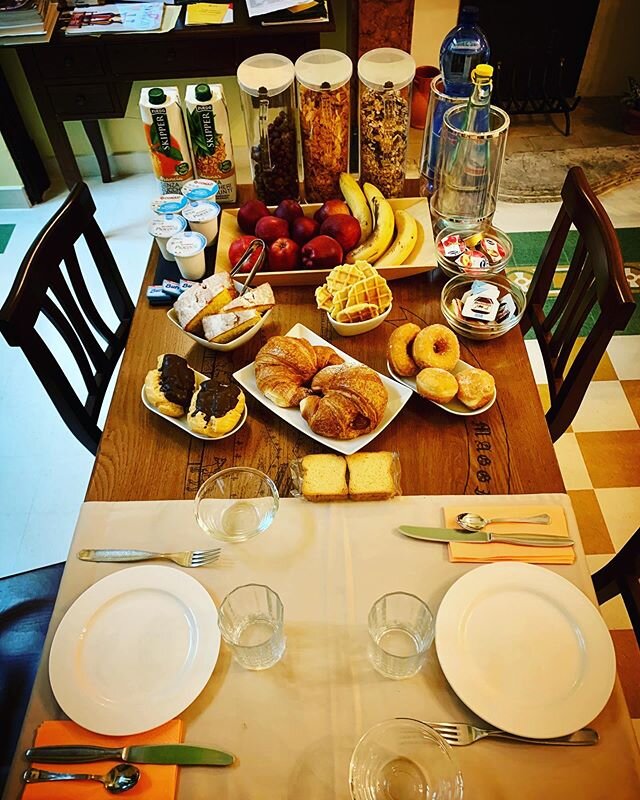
point(324, 477)
point(204, 299)
point(372, 476)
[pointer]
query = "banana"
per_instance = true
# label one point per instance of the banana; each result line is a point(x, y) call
point(403, 244)
point(357, 202)
point(383, 226)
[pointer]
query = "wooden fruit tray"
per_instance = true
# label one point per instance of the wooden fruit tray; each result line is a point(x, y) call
point(422, 258)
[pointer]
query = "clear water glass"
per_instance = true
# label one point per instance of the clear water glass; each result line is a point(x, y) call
point(236, 504)
point(251, 621)
point(400, 633)
point(404, 759)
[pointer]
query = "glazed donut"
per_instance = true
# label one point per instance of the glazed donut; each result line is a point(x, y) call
point(475, 387)
point(436, 346)
point(436, 384)
point(399, 350)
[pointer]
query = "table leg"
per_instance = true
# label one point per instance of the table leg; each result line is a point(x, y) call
point(92, 129)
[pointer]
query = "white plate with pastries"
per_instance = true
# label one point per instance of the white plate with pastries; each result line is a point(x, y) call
point(398, 395)
point(181, 422)
point(222, 346)
point(454, 406)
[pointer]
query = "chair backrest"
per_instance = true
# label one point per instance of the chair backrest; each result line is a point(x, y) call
point(595, 287)
point(621, 576)
point(43, 286)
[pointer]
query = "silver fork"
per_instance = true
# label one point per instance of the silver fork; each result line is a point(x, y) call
point(189, 558)
point(461, 733)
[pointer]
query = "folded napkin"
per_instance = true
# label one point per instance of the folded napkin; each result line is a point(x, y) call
point(480, 552)
point(157, 781)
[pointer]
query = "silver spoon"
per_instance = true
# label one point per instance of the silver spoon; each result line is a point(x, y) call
point(474, 522)
point(119, 779)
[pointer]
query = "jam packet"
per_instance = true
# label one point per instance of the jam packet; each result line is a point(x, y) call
point(452, 245)
point(492, 249)
point(472, 261)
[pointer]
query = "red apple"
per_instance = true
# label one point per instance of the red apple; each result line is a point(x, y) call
point(331, 207)
point(321, 252)
point(289, 210)
point(284, 254)
point(344, 229)
point(237, 249)
point(271, 228)
point(303, 229)
point(249, 214)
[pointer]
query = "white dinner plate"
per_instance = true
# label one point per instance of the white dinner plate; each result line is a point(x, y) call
point(181, 422)
point(454, 406)
point(398, 396)
point(134, 650)
point(525, 649)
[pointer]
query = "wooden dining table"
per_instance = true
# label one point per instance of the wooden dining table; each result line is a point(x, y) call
point(505, 451)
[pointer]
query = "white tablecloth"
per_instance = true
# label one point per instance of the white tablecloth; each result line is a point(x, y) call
point(293, 727)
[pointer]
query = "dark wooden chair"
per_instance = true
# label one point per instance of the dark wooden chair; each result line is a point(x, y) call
point(26, 605)
point(595, 286)
point(621, 576)
point(42, 286)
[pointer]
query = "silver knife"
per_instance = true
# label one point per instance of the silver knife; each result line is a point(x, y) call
point(182, 754)
point(449, 535)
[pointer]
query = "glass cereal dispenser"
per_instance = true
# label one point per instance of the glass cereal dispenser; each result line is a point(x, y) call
point(267, 97)
point(324, 106)
point(385, 76)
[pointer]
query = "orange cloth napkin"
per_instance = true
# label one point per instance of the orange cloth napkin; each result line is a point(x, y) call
point(480, 552)
point(157, 781)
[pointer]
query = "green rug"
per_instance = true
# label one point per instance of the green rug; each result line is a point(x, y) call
point(526, 252)
point(5, 234)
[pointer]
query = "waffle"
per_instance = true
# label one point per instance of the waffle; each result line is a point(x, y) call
point(365, 267)
point(324, 298)
point(343, 275)
point(358, 312)
point(373, 290)
point(339, 301)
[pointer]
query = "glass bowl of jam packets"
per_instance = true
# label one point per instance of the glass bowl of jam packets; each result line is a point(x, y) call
point(482, 308)
point(473, 251)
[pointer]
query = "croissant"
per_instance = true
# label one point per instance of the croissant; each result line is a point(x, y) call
point(285, 364)
point(353, 402)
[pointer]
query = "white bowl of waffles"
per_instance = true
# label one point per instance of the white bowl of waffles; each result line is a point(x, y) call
point(356, 298)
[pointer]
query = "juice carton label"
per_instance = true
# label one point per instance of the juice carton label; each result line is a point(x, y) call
point(166, 139)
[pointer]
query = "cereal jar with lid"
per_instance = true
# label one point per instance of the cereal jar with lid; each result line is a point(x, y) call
point(385, 76)
point(324, 104)
point(267, 97)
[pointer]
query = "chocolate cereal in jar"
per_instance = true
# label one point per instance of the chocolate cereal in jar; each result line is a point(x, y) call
point(266, 94)
point(385, 74)
point(324, 106)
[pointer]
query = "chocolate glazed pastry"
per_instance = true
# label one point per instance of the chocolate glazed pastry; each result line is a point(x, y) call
point(216, 408)
point(170, 386)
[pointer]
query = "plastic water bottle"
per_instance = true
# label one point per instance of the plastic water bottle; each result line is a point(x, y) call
point(463, 48)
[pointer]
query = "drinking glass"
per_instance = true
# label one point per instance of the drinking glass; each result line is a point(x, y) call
point(401, 631)
point(404, 759)
point(251, 623)
point(236, 504)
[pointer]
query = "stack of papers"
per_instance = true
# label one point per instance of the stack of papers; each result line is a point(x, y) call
point(209, 13)
point(27, 21)
point(117, 18)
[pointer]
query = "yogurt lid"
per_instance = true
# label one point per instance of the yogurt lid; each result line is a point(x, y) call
point(201, 212)
point(386, 68)
point(166, 226)
point(169, 204)
point(188, 243)
point(200, 189)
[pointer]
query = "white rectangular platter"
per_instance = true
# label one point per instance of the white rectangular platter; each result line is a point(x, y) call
point(397, 392)
point(421, 259)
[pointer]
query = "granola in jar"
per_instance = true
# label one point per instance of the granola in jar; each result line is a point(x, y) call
point(324, 129)
point(384, 125)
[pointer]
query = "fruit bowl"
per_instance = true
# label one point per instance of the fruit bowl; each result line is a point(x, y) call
point(421, 259)
point(356, 328)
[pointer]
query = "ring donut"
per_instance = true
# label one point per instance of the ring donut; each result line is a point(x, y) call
point(436, 346)
point(399, 350)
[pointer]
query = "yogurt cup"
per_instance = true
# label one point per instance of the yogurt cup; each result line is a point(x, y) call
point(188, 249)
point(162, 228)
point(200, 189)
point(203, 218)
point(169, 204)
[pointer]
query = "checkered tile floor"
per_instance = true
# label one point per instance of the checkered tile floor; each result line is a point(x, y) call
point(600, 461)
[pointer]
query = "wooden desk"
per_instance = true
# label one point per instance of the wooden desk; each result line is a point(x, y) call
point(143, 457)
point(89, 78)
